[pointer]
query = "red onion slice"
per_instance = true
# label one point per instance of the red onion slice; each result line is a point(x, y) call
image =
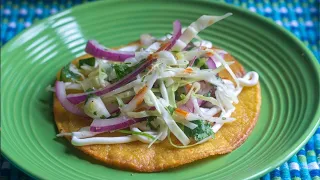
point(98, 51)
point(113, 108)
point(204, 87)
point(107, 125)
point(152, 108)
point(190, 105)
point(211, 64)
point(62, 97)
point(176, 34)
point(78, 98)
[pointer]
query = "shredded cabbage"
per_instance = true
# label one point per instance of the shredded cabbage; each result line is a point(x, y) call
point(95, 108)
point(166, 96)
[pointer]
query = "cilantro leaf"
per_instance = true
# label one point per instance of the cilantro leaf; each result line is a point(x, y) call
point(170, 109)
point(205, 66)
point(116, 114)
point(89, 90)
point(149, 124)
point(201, 63)
point(201, 132)
point(196, 62)
point(122, 70)
point(89, 61)
point(190, 45)
point(66, 75)
point(89, 95)
point(182, 96)
point(181, 126)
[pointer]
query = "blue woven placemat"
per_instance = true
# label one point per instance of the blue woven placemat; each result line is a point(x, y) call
point(301, 17)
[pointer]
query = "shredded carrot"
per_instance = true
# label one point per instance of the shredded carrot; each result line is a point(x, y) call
point(164, 46)
point(142, 90)
point(188, 70)
point(209, 54)
point(181, 112)
point(155, 56)
point(141, 108)
point(139, 101)
point(152, 56)
point(140, 94)
point(188, 87)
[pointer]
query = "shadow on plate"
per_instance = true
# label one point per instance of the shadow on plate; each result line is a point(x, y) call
point(195, 163)
point(45, 104)
point(71, 150)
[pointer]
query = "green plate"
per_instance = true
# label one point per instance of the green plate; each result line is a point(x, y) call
point(289, 76)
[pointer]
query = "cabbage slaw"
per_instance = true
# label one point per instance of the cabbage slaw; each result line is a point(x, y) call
point(161, 86)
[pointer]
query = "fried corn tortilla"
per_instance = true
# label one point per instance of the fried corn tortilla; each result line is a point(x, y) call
point(138, 157)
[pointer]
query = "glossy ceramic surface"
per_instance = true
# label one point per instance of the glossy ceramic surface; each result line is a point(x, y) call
point(289, 76)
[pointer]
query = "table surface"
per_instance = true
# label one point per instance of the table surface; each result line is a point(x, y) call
point(301, 17)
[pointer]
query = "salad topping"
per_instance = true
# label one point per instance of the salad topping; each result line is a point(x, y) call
point(148, 91)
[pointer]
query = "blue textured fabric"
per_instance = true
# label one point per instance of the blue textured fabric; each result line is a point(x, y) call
point(301, 17)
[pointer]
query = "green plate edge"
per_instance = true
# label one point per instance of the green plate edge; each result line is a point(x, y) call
point(275, 163)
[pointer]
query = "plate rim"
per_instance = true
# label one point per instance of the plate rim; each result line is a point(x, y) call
point(304, 138)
